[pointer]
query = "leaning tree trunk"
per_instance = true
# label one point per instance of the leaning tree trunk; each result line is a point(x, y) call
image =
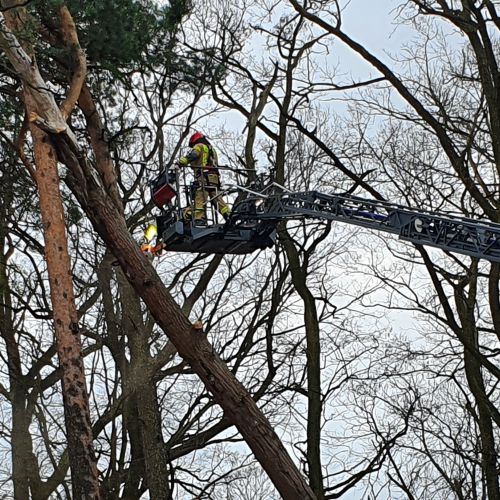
point(97, 199)
point(239, 407)
point(103, 207)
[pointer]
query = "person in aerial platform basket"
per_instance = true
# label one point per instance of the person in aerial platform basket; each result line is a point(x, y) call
point(203, 160)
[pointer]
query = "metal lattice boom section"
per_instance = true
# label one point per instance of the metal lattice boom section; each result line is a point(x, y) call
point(479, 239)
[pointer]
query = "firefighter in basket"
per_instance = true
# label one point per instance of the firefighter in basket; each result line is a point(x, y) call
point(203, 160)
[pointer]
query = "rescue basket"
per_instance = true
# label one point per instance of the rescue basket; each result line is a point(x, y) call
point(163, 189)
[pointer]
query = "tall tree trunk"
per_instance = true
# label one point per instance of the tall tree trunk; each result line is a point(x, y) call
point(39, 101)
point(313, 355)
point(25, 474)
point(489, 456)
point(473, 372)
point(314, 405)
point(130, 417)
point(68, 343)
point(145, 396)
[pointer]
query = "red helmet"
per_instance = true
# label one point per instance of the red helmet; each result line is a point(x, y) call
point(195, 138)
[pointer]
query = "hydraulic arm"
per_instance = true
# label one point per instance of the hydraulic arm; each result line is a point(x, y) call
point(479, 239)
point(254, 218)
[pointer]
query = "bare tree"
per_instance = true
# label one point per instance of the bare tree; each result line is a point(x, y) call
point(459, 131)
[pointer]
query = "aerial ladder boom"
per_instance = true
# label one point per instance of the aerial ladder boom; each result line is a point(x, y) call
point(451, 233)
point(254, 219)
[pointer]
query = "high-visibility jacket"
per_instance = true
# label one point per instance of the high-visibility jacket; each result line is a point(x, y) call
point(203, 158)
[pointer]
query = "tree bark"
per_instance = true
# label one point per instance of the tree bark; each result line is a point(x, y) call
point(144, 403)
point(25, 475)
point(193, 346)
point(40, 102)
point(313, 353)
point(465, 308)
point(68, 343)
